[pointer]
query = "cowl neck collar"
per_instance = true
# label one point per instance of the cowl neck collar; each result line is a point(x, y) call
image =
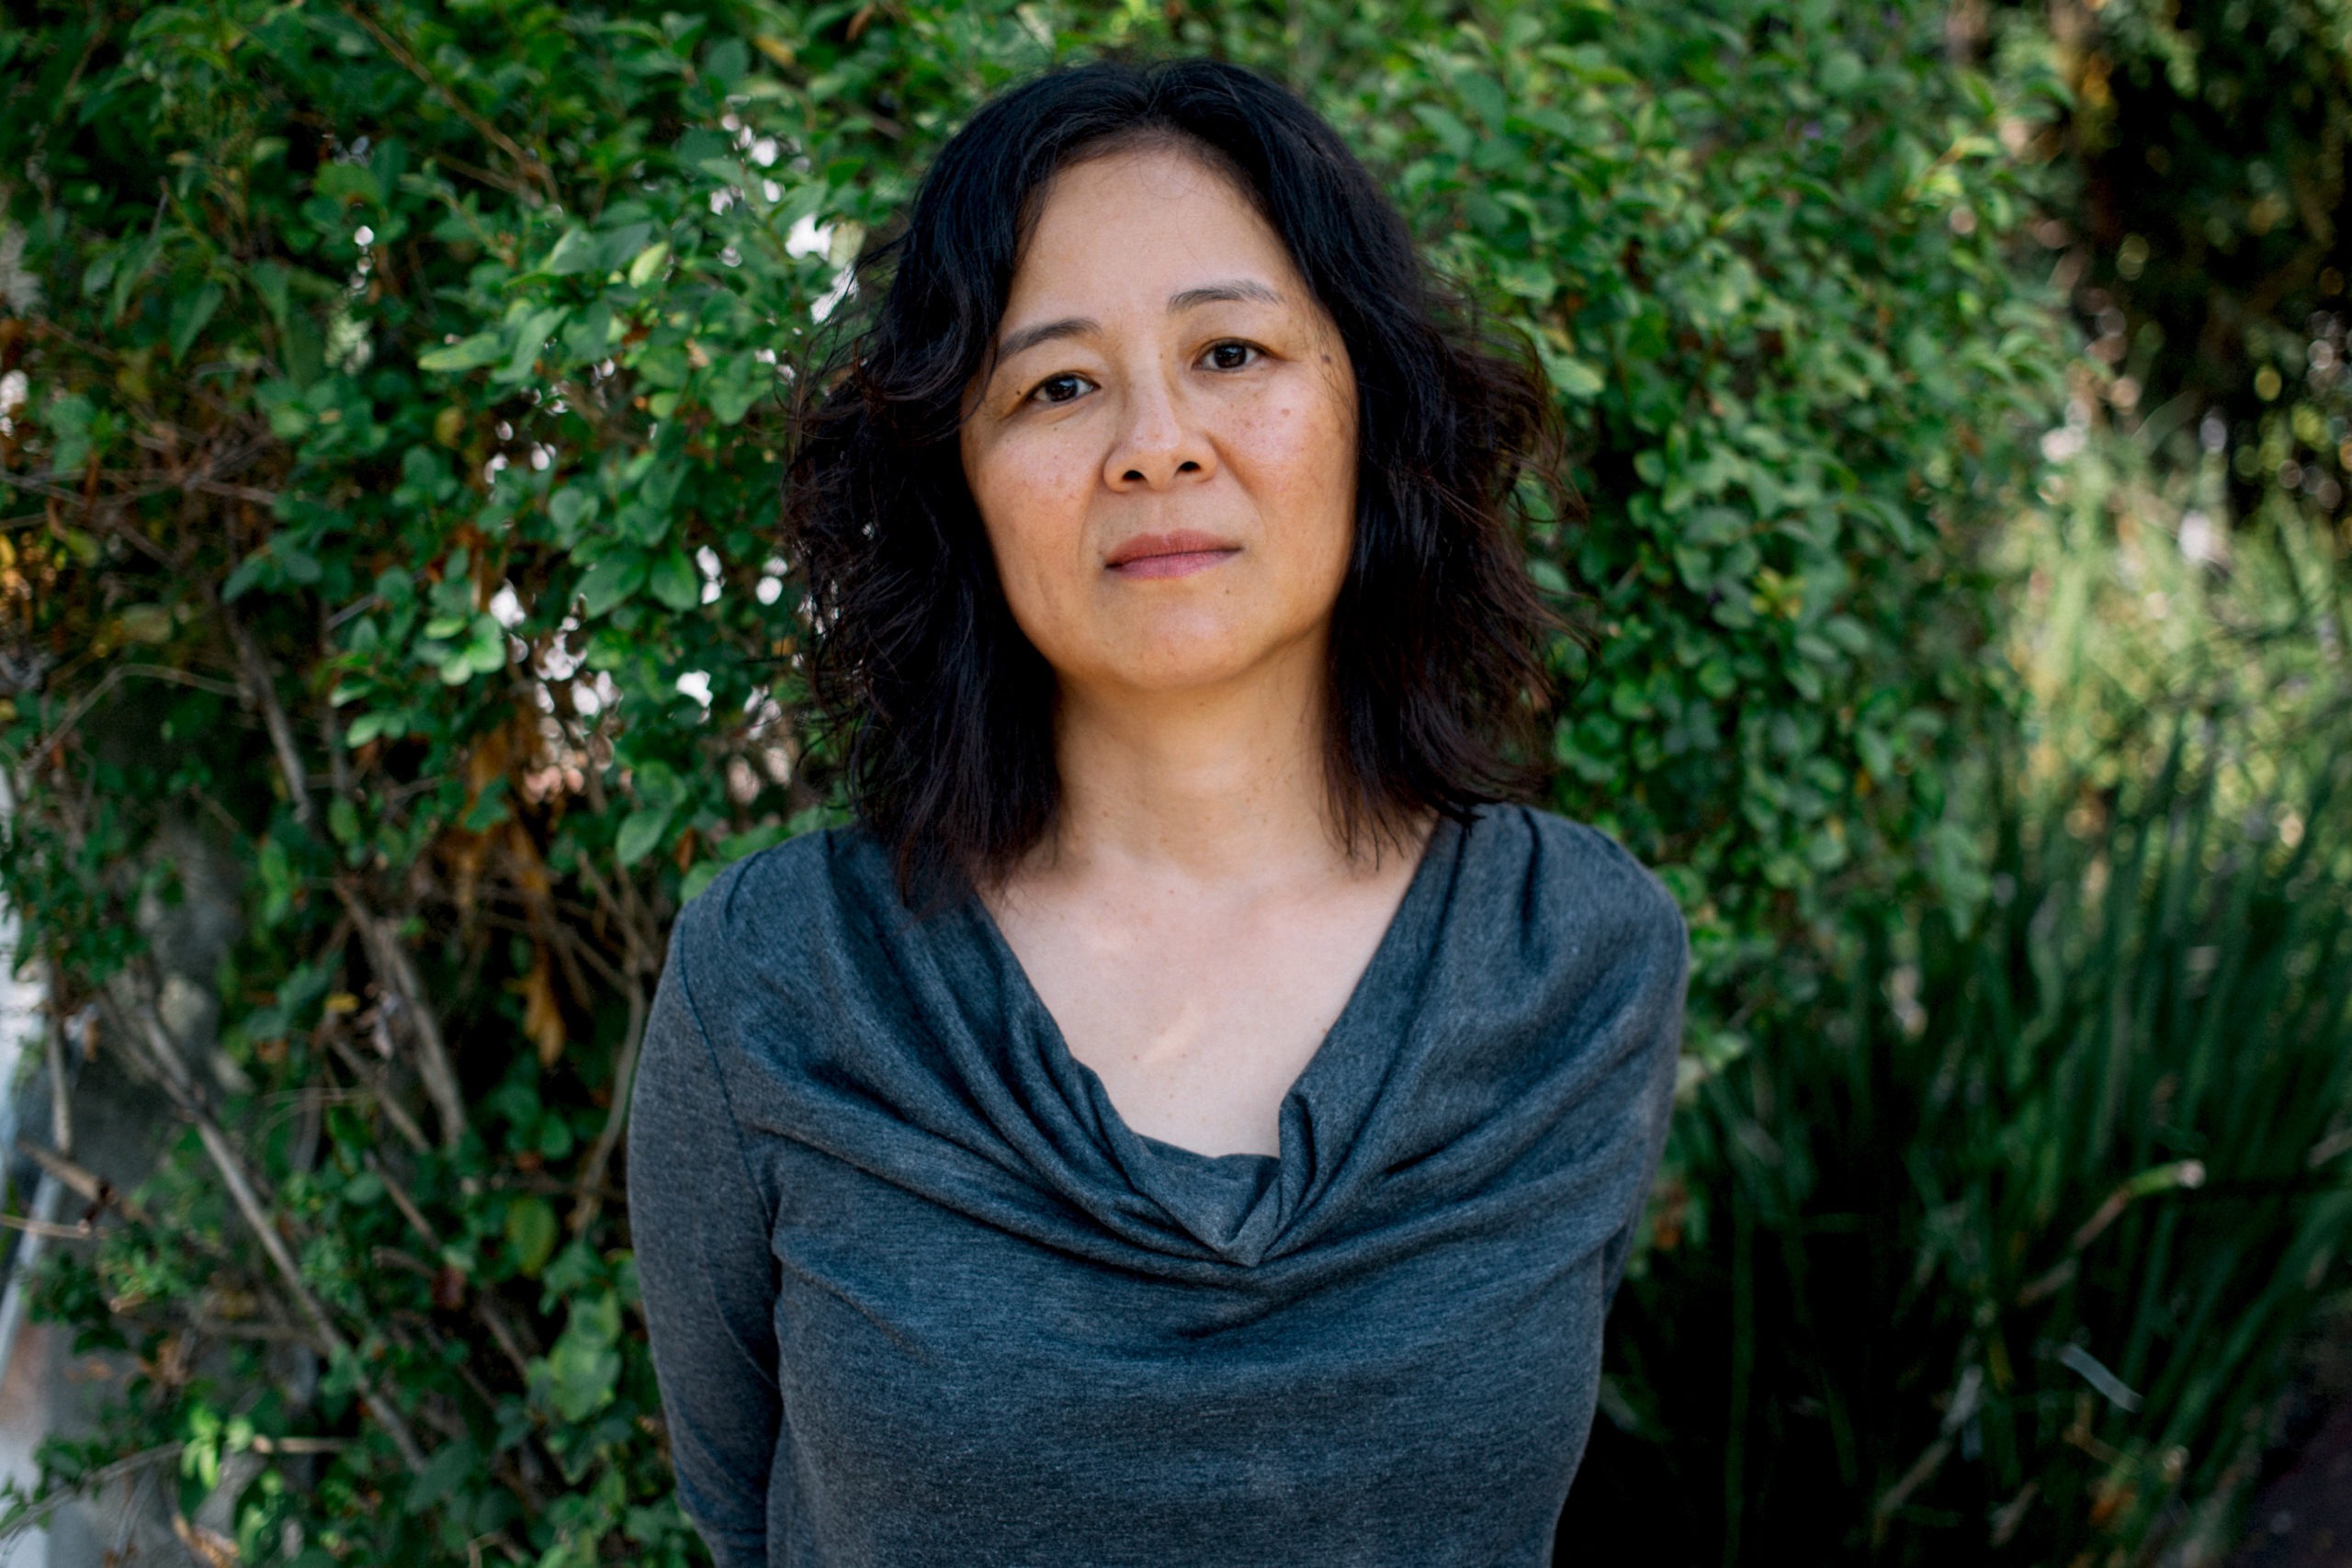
point(1050, 1113)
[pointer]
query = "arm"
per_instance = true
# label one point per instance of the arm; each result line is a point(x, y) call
point(701, 1225)
point(1659, 1027)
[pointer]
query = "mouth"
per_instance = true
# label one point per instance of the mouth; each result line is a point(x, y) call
point(1179, 554)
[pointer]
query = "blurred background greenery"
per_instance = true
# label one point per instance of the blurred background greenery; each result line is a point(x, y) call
point(390, 403)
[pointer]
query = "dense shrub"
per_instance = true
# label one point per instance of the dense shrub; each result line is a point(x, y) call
point(2002, 1252)
point(395, 400)
point(2200, 229)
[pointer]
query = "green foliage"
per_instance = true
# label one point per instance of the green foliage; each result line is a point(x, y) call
point(403, 405)
point(1773, 306)
point(1998, 1259)
point(2202, 236)
point(2000, 1253)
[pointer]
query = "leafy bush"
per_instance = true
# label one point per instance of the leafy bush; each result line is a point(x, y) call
point(2001, 1253)
point(2198, 227)
point(397, 394)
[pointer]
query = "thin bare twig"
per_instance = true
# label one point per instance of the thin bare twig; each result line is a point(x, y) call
point(399, 976)
point(232, 1173)
point(372, 1080)
point(403, 1202)
point(60, 1093)
point(590, 1199)
point(87, 1484)
point(82, 1231)
point(262, 691)
point(108, 683)
point(83, 1182)
point(486, 1308)
point(153, 1043)
point(266, 1333)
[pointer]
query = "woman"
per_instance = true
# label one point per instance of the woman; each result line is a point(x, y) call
point(1184, 1122)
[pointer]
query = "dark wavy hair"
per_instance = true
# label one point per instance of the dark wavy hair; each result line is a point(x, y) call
point(946, 708)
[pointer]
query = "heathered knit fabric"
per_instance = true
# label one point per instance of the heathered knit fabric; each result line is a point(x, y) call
point(917, 1295)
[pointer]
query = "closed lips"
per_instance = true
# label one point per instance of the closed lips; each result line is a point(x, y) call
point(1169, 555)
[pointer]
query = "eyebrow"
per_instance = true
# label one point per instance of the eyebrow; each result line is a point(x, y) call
point(1247, 288)
point(1239, 289)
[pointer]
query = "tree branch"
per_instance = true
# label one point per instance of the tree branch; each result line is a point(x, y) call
point(106, 683)
point(485, 1307)
point(34, 1514)
point(153, 1043)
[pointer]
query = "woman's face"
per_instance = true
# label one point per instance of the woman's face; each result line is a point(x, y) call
point(1163, 453)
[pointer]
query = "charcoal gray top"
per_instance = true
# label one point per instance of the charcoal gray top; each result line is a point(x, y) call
point(918, 1296)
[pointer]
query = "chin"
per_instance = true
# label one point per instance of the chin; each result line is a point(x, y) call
point(1195, 656)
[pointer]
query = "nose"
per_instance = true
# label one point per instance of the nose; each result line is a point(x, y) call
point(1158, 442)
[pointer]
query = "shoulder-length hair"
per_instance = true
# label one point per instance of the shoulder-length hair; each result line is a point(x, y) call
point(947, 710)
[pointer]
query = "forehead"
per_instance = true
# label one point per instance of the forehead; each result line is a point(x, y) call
point(1143, 223)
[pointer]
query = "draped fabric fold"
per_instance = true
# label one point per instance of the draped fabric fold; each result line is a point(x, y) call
point(993, 1323)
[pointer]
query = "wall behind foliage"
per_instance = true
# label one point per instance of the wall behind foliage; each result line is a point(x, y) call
point(395, 396)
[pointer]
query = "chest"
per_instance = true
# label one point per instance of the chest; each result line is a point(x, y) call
point(1416, 1399)
point(1198, 1016)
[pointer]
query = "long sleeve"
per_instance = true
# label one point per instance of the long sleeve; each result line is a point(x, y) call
point(701, 1229)
point(1667, 980)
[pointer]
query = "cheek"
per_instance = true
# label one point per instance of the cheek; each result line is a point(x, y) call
point(1303, 453)
point(1031, 498)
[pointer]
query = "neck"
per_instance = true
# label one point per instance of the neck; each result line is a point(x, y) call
point(1222, 783)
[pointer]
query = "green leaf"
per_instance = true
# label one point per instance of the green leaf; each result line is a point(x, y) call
point(647, 263)
point(658, 784)
point(280, 881)
point(486, 651)
point(467, 354)
point(149, 624)
point(451, 1465)
point(1527, 277)
point(531, 1233)
point(190, 312)
point(270, 281)
point(620, 245)
point(724, 62)
point(1572, 376)
point(529, 337)
point(1452, 134)
point(590, 334)
point(69, 419)
point(570, 508)
point(674, 580)
point(642, 831)
point(1841, 72)
point(489, 810)
point(612, 580)
point(576, 251)
point(735, 387)
point(582, 1371)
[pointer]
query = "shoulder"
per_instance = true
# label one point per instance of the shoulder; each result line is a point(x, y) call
point(1559, 880)
point(767, 897)
point(776, 919)
point(1564, 954)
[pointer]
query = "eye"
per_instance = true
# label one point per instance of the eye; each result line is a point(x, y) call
point(1231, 355)
point(1059, 389)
